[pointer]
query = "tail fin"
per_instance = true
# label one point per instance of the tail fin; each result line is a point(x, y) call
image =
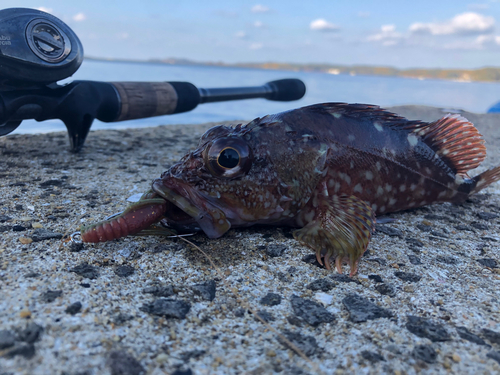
point(485, 179)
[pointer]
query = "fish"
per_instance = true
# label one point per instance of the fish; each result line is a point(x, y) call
point(327, 170)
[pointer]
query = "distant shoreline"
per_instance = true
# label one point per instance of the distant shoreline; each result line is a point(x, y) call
point(486, 74)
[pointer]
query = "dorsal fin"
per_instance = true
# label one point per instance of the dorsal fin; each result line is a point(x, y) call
point(453, 138)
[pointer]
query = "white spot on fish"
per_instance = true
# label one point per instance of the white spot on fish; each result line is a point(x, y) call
point(336, 115)
point(382, 209)
point(345, 177)
point(380, 190)
point(374, 207)
point(413, 187)
point(378, 165)
point(388, 187)
point(392, 201)
point(369, 175)
point(402, 188)
point(459, 179)
point(358, 188)
point(378, 126)
point(351, 137)
point(412, 140)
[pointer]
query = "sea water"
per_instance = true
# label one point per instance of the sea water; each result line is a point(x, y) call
point(321, 87)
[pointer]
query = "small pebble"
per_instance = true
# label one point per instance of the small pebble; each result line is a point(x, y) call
point(274, 251)
point(372, 356)
point(425, 328)
point(386, 290)
point(311, 312)
point(205, 290)
point(7, 339)
point(74, 308)
point(51, 295)
point(407, 276)
point(425, 353)
point(265, 316)
point(124, 271)
point(307, 344)
point(86, 270)
point(465, 334)
point(321, 284)
point(25, 314)
point(491, 336)
point(361, 309)
point(169, 308)
point(122, 363)
point(44, 234)
point(270, 299)
point(389, 231)
point(25, 350)
point(488, 262)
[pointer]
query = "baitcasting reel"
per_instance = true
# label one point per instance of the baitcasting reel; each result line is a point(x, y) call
point(37, 50)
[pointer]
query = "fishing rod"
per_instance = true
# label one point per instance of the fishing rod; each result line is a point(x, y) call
point(37, 50)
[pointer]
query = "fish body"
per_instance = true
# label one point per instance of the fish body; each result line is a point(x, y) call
point(327, 169)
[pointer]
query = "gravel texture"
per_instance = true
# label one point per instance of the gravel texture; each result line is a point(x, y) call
point(426, 299)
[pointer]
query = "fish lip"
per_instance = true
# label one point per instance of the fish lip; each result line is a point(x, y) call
point(211, 219)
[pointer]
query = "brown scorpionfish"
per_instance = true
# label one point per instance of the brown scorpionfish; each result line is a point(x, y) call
point(327, 169)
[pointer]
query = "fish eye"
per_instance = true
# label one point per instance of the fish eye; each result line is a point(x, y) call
point(228, 157)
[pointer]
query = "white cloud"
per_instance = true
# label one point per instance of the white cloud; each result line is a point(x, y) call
point(258, 24)
point(488, 40)
point(364, 14)
point(79, 17)
point(241, 35)
point(44, 9)
point(323, 25)
point(260, 9)
point(388, 36)
point(256, 46)
point(465, 23)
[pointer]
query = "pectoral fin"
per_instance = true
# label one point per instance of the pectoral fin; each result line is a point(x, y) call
point(340, 229)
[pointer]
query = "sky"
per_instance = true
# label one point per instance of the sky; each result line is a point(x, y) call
point(397, 33)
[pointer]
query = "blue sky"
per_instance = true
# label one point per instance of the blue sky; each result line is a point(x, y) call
point(402, 34)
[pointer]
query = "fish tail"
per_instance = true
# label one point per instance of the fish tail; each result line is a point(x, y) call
point(485, 179)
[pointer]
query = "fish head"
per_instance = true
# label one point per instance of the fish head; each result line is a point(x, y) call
point(227, 181)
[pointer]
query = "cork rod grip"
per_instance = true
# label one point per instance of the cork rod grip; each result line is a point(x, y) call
point(149, 99)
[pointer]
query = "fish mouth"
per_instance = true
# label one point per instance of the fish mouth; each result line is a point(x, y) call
point(209, 218)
